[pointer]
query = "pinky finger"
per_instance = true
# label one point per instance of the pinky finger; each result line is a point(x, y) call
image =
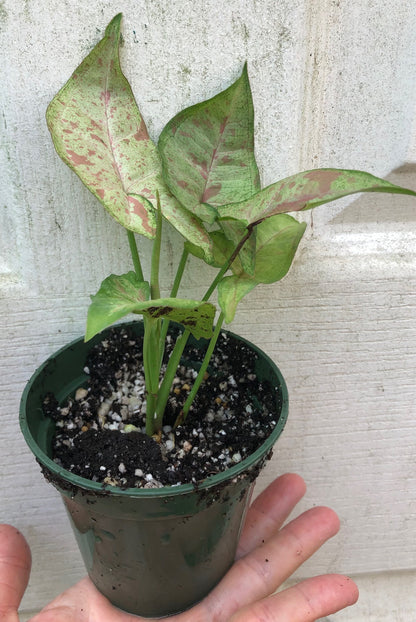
point(305, 602)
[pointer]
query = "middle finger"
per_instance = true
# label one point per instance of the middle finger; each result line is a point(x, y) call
point(262, 571)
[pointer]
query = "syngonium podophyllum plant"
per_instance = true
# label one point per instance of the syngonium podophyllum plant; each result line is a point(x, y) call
point(203, 179)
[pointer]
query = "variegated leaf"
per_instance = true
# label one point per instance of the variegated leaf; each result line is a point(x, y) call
point(208, 151)
point(99, 132)
point(305, 191)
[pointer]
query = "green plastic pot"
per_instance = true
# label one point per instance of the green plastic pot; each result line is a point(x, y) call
point(151, 552)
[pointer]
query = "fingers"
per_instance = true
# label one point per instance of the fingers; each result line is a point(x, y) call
point(269, 511)
point(262, 571)
point(15, 562)
point(305, 602)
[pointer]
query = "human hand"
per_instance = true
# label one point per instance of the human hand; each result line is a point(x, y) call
point(268, 554)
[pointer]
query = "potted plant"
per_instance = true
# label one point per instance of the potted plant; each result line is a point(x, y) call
point(156, 534)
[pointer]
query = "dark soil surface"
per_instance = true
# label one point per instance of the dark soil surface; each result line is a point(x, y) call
point(100, 430)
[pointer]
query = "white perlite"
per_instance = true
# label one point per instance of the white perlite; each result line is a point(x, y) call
point(81, 394)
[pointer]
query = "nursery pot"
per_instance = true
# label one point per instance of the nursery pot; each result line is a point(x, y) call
point(158, 551)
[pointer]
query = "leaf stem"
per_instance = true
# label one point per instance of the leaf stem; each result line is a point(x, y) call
point(200, 377)
point(154, 273)
point(174, 291)
point(180, 344)
point(152, 343)
point(179, 273)
point(171, 368)
point(228, 263)
point(135, 255)
point(151, 370)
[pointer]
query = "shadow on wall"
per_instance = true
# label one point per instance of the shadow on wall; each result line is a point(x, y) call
point(390, 209)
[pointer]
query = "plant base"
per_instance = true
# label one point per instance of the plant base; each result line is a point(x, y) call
point(152, 552)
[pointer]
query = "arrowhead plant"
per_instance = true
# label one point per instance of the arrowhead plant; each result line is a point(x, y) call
point(202, 179)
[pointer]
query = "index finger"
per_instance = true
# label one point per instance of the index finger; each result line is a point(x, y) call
point(270, 510)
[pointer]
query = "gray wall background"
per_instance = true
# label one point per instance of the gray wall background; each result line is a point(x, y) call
point(333, 85)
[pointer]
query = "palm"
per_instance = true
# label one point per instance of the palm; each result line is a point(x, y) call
point(268, 554)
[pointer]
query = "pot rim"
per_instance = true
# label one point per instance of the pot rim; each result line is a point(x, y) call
point(165, 491)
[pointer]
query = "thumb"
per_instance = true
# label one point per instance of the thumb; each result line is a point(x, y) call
point(15, 562)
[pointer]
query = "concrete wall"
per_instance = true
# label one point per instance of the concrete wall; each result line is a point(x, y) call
point(333, 85)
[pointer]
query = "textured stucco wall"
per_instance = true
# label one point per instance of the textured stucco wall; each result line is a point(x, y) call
point(333, 85)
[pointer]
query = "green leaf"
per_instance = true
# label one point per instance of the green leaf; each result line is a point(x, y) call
point(222, 251)
point(305, 191)
point(100, 134)
point(235, 231)
point(277, 241)
point(208, 151)
point(231, 290)
point(196, 316)
point(120, 295)
point(196, 251)
point(223, 246)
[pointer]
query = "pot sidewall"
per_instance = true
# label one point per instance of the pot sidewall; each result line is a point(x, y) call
point(152, 552)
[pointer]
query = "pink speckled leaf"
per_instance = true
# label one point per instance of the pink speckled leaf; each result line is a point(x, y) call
point(99, 132)
point(208, 151)
point(305, 191)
